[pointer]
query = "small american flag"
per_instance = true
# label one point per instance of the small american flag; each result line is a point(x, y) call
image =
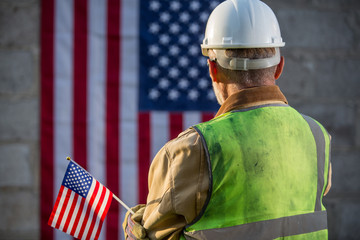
point(81, 205)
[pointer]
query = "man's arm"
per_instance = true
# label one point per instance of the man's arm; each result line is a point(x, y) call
point(178, 185)
point(328, 186)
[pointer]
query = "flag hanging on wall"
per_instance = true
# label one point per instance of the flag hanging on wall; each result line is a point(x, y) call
point(119, 78)
point(81, 205)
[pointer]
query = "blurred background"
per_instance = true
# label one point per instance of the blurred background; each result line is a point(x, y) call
point(321, 79)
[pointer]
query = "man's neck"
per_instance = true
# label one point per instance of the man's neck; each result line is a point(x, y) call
point(229, 89)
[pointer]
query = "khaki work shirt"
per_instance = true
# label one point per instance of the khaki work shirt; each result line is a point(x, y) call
point(178, 176)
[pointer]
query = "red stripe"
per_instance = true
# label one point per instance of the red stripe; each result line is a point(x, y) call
point(90, 207)
point(207, 116)
point(103, 215)
point(101, 200)
point(144, 156)
point(71, 212)
point(112, 112)
point(96, 212)
point(63, 208)
point(47, 121)
point(78, 215)
point(80, 81)
point(98, 230)
point(107, 206)
point(176, 124)
point(56, 205)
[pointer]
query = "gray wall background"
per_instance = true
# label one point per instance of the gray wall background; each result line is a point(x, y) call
point(321, 79)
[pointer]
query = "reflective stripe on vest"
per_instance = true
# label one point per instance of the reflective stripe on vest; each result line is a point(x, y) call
point(268, 229)
point(320, 146)
point(310, 221)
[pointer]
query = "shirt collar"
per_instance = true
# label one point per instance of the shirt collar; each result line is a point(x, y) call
point(250, 97)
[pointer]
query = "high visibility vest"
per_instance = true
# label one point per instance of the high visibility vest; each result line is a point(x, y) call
point(268, 168)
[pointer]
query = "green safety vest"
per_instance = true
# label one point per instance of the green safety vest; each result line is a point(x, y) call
point(268, 168)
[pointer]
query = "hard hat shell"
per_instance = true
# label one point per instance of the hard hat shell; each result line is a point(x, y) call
point(242, 24)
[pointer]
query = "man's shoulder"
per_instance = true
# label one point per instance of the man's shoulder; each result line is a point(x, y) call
point(187, 137)
point(187, 141)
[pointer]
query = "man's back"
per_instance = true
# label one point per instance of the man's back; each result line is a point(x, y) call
point(264, 168)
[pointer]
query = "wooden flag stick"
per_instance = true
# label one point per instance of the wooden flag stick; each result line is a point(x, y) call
point(114, 196)
point(123, 204)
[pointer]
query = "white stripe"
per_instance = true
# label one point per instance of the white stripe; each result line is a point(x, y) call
point(63, 92)
point(86, 205)
point(59, 207)
point(102, 208)
point(129, 106)
point(159, 131)
point(191, 118)
point(76, 210)
point(96, 89)
point(66, 213)
point(92, 211)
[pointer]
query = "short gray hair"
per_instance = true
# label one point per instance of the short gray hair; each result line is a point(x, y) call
point(250, 77)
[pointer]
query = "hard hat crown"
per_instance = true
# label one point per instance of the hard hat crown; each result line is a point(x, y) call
point(242, 24)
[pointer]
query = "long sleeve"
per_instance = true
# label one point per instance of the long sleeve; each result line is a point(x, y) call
point(178, 185)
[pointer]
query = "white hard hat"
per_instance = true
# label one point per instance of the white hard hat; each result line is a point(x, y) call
point(242, 24)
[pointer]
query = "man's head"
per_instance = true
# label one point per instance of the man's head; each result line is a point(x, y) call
point(227, 81)
point(242, 41)
point(248, 78)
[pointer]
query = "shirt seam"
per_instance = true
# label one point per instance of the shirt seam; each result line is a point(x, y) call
point(172, 185)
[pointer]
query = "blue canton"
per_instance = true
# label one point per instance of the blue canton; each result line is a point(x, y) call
point(77, 179)
point(173, 72)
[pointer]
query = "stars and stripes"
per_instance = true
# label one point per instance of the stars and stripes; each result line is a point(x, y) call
point(81, 205)
point(119, 78)
point(175, 91)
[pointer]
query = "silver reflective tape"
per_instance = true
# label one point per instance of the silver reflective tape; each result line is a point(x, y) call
point(320, 152)
point(268, 229)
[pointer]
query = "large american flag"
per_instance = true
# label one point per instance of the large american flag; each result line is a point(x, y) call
point(118, 80)
point(81, 205)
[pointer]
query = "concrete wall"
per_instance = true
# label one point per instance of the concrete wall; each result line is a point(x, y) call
point(19, 119)
point(321, 79)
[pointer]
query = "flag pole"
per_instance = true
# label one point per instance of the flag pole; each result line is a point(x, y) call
point(114, 196)
point(123, 204)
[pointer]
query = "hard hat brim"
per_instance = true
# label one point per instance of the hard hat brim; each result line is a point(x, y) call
point(205, 47)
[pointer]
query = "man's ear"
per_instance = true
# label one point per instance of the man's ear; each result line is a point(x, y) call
point(279, 68)
point(212, 70)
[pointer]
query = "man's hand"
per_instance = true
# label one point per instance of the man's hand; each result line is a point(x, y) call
point(132, 224)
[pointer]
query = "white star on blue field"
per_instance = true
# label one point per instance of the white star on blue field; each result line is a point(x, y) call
point(173, 73)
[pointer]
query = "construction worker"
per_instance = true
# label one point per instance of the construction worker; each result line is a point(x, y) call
point(259, 169)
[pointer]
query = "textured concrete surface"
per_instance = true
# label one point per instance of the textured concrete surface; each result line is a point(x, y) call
point(19, 121)
point(321, 79)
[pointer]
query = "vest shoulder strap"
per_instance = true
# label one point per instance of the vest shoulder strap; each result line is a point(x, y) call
point(321, 157)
